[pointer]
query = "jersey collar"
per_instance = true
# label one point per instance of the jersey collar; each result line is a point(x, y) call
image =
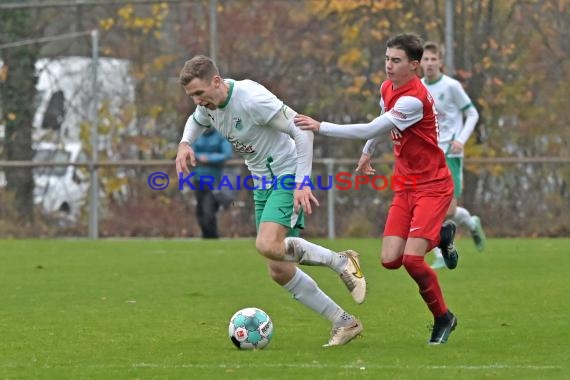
point(230, 91)
point(426, 81)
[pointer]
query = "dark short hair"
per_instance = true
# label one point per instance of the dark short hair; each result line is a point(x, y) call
point(200, 67)
point(410, 43)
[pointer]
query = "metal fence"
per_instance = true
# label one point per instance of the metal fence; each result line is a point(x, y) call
point(513, 196)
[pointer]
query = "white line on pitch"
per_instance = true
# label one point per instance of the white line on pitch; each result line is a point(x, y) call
point(349, 366)
point(314, 365)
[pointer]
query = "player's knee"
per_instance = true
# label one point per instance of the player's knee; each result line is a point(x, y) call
point(452, 208)
point(266, 247)
point(261, 245)
point(393, 264)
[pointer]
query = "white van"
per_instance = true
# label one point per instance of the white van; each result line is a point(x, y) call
point(61, 190)
point(63, 106)
point(65, 93)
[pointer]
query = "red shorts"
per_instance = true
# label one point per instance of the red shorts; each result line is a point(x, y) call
point(418, 215)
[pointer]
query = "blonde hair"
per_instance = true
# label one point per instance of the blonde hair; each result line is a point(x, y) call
point(435, 48)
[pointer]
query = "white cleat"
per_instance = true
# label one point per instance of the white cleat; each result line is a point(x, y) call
point(353, 277)
point(438, 263)
point(343, 335)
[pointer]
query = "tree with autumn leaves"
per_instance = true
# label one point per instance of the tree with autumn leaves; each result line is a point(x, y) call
point(326, 58)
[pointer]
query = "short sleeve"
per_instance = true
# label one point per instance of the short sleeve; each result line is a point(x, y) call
point(263, 104)
point(407, 111)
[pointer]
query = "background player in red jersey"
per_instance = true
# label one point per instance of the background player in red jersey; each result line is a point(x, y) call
point(418, 209)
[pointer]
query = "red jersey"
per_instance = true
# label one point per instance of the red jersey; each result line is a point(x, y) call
point(417, 155)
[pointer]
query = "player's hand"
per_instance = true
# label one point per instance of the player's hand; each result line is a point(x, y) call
point(307, 123)
point(364, 165)
point(303, 198)
point(456, 147)
point(185, 153)
point(395, 133)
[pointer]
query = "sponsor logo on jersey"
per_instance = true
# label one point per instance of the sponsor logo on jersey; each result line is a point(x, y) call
point(240, 147)
point(398, 114)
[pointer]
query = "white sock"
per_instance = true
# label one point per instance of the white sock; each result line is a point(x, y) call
point(306, 291)
point(306, 253)
point(462, 216)
point(437, 252)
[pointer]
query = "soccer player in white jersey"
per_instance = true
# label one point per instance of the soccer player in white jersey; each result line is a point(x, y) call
point(457, 117)
point(279, 156)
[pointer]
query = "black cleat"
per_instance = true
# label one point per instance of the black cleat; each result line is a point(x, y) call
point(442, 327)
point(448, 251)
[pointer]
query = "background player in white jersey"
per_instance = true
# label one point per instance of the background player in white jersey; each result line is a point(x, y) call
point(457, 117)
point(279, 156)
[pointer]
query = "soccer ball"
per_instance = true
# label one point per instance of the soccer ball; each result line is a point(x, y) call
point(250, 328)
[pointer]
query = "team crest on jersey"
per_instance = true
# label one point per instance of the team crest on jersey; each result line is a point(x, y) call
point(237, 122)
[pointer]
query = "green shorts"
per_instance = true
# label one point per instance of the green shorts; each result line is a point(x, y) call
point(276, 205)
point(455, 165)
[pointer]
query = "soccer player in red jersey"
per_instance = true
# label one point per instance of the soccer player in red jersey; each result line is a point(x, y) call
point(414, 223)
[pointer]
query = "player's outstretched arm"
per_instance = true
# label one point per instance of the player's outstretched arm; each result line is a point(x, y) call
point(379, 126)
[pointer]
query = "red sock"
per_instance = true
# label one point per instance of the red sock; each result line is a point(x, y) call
point(426, 278)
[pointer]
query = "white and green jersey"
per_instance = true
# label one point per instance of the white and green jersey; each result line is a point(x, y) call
point(243, 119)
point(452, 103)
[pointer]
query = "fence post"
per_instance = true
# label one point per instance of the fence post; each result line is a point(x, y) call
point(331, 198)
point(93, 174)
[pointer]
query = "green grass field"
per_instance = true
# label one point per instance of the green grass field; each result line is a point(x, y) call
point(154, 309)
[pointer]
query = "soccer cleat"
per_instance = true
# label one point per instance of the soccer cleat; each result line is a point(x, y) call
point(438, 263)
point(478, 234)
point(353, 277)
point(344, 334)
point(442, 327)
point(448, 251)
